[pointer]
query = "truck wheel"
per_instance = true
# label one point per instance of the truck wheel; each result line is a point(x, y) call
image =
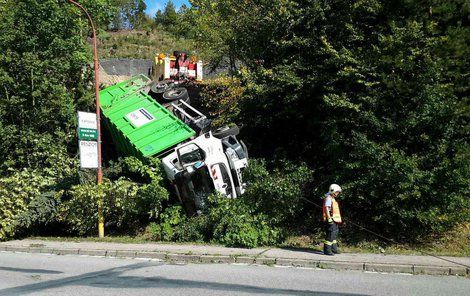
point(176, 94)
point(226, 131)
point(157, 89)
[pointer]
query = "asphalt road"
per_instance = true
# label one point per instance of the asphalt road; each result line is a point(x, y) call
point(41, 274)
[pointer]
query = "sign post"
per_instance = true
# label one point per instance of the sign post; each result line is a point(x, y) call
point(99, 171)
point(88, 144)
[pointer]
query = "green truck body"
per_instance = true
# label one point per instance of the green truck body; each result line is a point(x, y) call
point(140, 126)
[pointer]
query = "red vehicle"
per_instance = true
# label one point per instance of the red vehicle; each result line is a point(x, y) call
point(177, 67)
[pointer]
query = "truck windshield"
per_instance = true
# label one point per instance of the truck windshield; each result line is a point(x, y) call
point(202, 182)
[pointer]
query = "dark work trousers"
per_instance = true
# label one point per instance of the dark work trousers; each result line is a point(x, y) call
point(330, 244)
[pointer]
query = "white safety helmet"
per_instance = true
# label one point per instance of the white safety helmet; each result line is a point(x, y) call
point(335, 188)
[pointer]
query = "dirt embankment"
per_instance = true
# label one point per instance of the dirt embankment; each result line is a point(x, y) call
point(118, 70)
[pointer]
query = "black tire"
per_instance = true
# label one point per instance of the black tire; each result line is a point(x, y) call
point(157, 89)
point(176, 94)
point(226, 131)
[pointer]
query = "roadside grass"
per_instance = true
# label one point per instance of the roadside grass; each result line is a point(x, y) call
point(455, 243)
point(122, 239)
point(140, 44)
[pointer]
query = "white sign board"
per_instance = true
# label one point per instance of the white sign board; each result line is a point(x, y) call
point(199, 71)
point(87, 120)
point(140, 117)
point(88, 154)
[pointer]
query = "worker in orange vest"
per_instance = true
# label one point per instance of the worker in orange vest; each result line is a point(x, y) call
point(332, 217)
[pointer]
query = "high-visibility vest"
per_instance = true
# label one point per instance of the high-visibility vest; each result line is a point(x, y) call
point(336, 215)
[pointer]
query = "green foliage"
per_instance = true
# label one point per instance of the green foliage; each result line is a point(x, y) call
point(174, 225)
point(170, 218)
point(193, 229)
point(169, 17)
point(42, 212)
point(153, 231)
point(31, 197)
point(177, 22)
point(220, 97)
point(139, 44)
point(118, 200)
point(234, 223)
point(371, 93)
point(277, 193)
point(230, 222)
point(16, 192)
point(127, 202)
point(128, 14)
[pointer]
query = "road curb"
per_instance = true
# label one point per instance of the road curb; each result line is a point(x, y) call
point(217, 259)
point(296, 262)
point(341, 265)
point(395, 268)
point(66, 252)
point(151, 255)
point(245, 260)
point(224, 259)
point(183, 258)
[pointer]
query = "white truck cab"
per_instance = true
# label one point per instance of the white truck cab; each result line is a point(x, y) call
point(204, 165)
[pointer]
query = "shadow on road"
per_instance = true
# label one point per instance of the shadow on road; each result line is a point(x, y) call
point(112, 279)
point(299, 249)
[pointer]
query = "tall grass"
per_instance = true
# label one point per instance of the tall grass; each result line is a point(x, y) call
point(140, 44)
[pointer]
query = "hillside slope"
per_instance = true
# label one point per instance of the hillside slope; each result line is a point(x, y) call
point(140, 44)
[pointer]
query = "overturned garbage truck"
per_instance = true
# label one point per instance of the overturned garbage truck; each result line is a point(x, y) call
point(196, 159)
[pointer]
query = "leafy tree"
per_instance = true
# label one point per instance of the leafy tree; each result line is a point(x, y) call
point(170, 16)
point(178, 22)
point(371, 93)
point(44, 78)
point(129, 14)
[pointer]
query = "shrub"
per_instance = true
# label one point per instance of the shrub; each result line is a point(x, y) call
point(193, 229)
point(220, 98)
point(16, 193)
point(228, 221)
point(40, 213)
point(277, 193)
point(234, 224)
point(170, 219)
point(153, 231)
point(127, 202)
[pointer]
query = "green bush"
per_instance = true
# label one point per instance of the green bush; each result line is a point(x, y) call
point(277, 193)
point(220, 98)
point(32, 197)
point(174, 225)
point(128, 202)
point(230, 222)
point(170, 219)
point(41, 212)
point(193, 229)
point(235, 224)
point(153, 231)
point(16, 193)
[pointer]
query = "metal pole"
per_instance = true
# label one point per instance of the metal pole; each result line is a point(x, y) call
point(98, 116)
